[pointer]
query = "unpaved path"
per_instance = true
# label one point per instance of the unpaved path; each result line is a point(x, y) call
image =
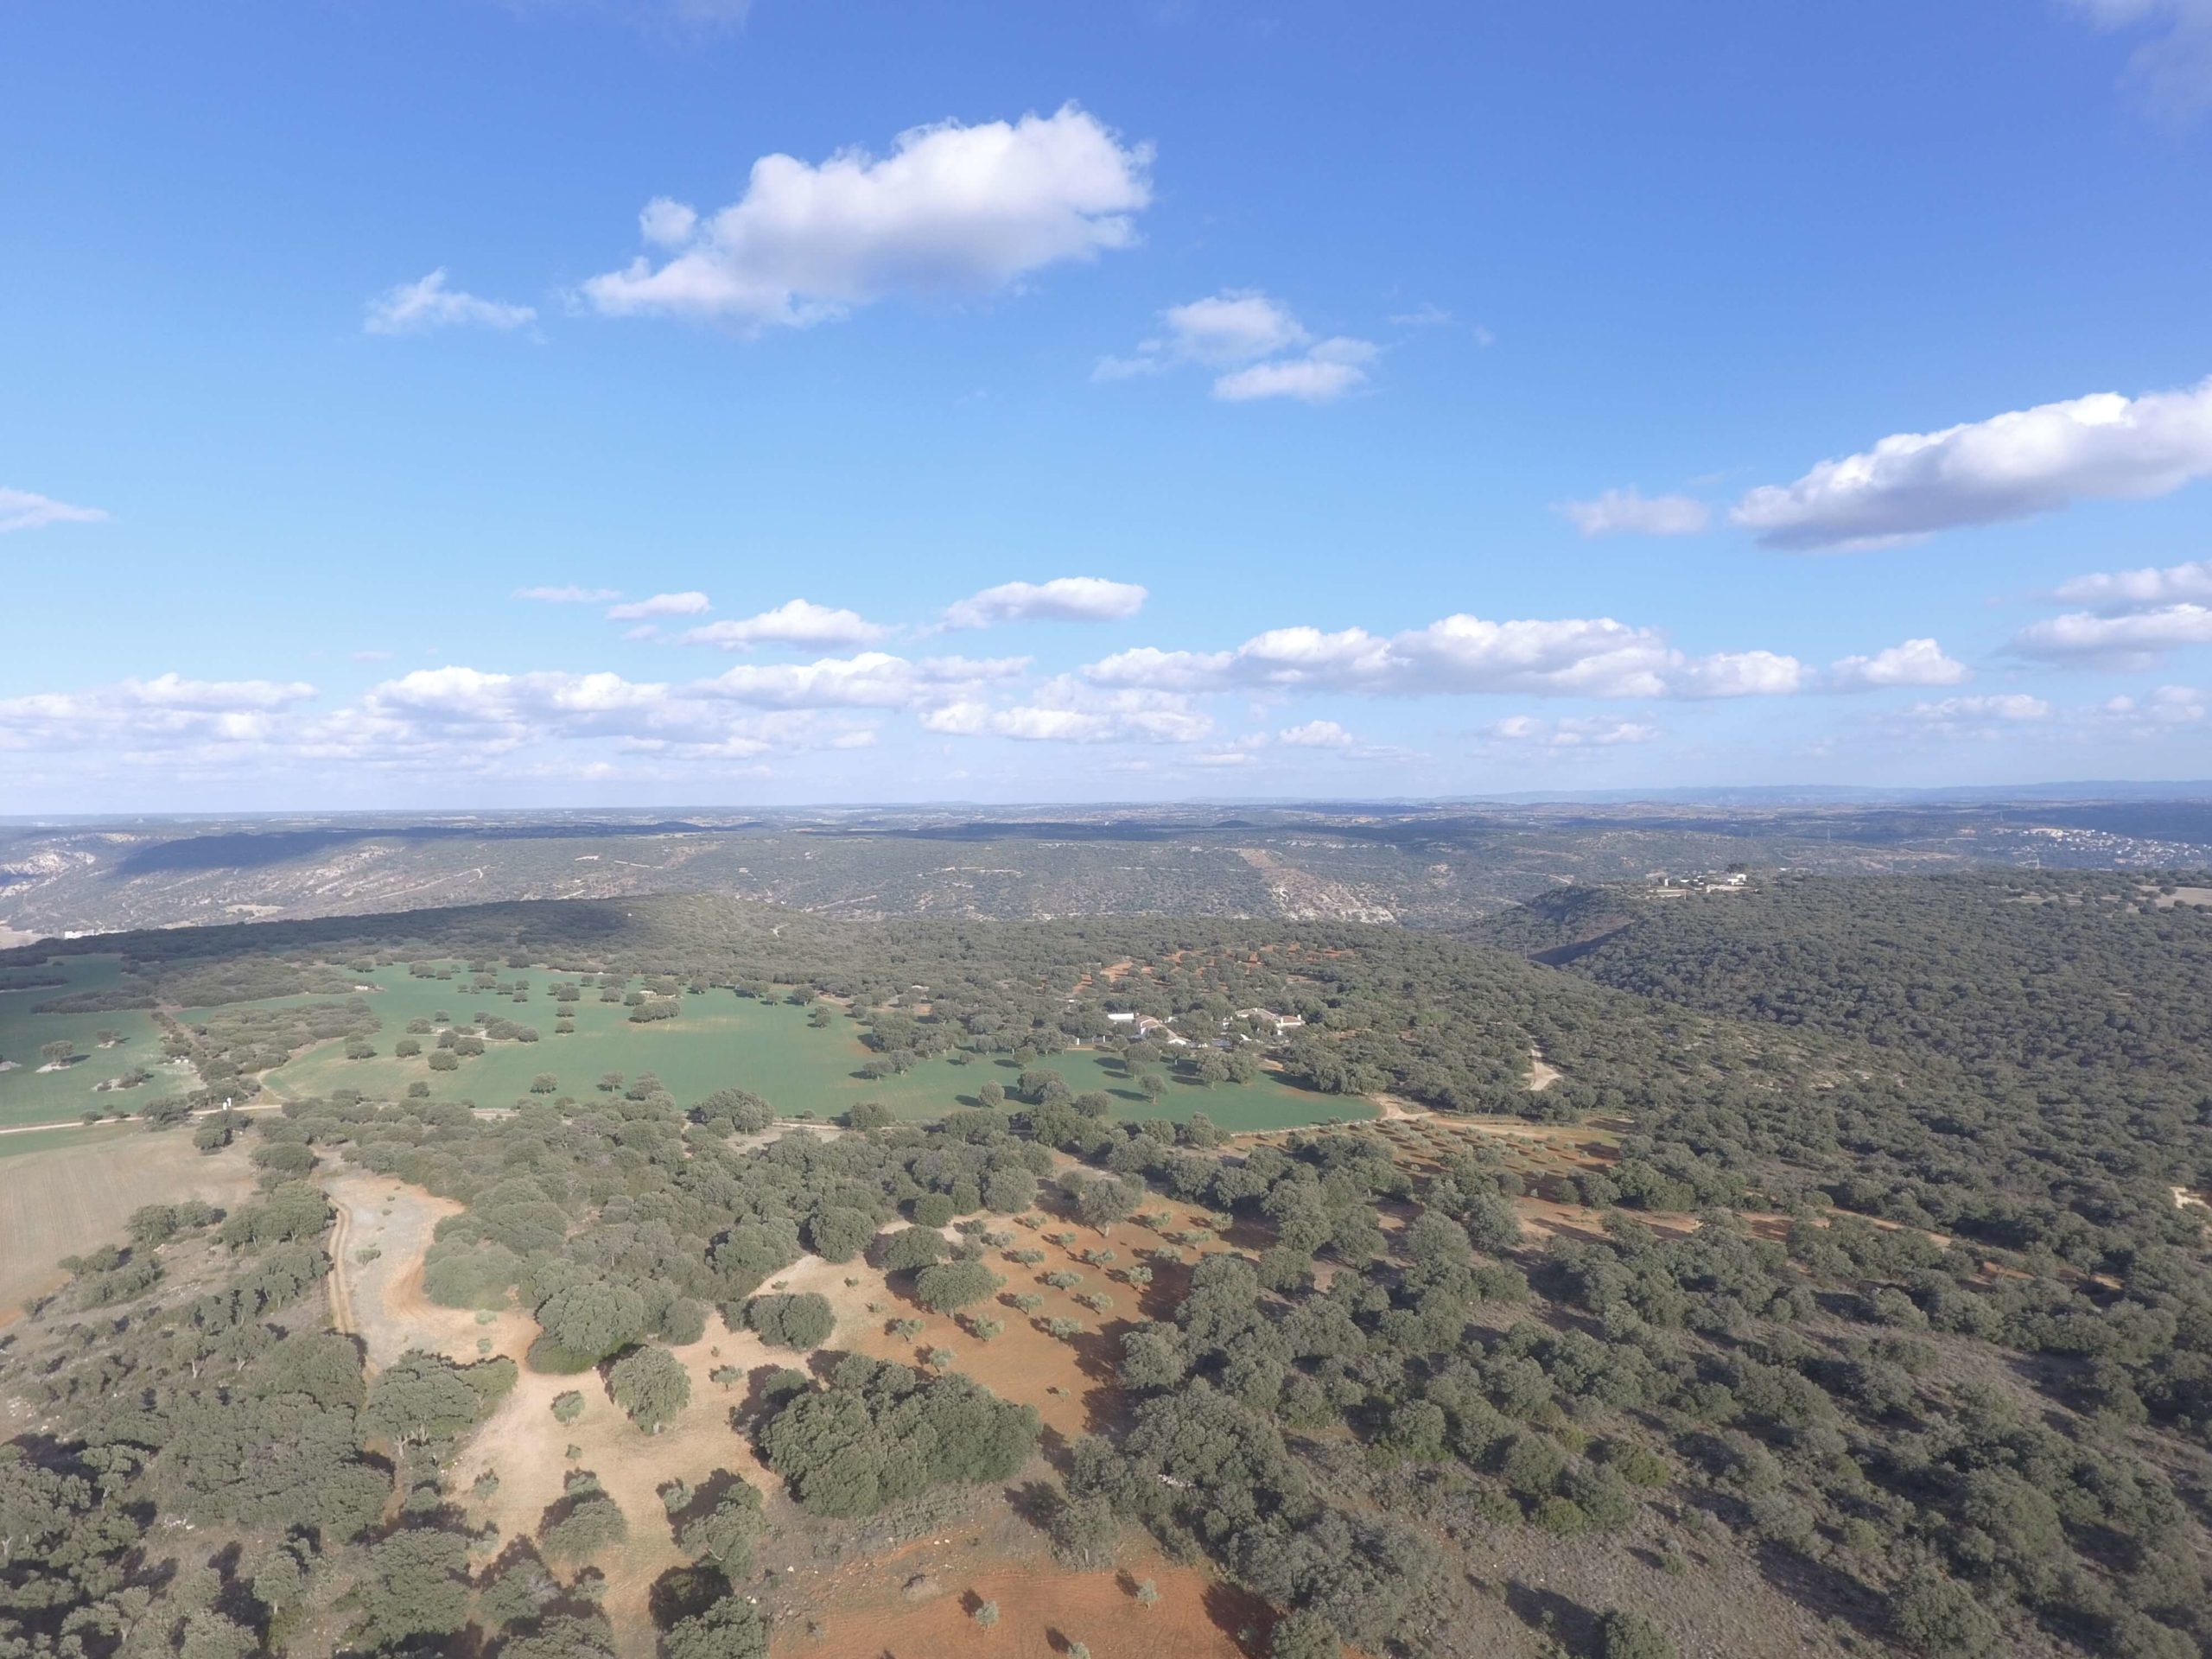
point(108, 1123)
point(341, 1295)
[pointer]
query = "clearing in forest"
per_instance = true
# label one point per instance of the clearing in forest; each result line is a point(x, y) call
point(721, 1040)
point(73, 1194)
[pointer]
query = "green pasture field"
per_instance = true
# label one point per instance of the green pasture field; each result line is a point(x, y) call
point(722, 1040)
point(28, 1095)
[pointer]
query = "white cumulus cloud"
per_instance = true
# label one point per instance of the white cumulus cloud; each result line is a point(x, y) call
point(1581, 732)
point(2173, 67)
point(165, 710)
point(871, 679)
point(2011, 465)
point(22, 510)
point(1917, 662)
point(1064, 599)
point(1978, 717)
point(1327, 372)
point(2134, 639)
point(1235, 325)
point(1630, 512)
point(953, 209)
point(638, 610)
point(1256, 345)
point(1066, 710)
point(2162, 710)
point(1570, 656)
point(2111, 592)
point(416, 307)
point(795, 622)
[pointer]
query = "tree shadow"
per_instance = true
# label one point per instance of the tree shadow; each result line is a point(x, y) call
point(682, 1592)
point(704, 1496)
point(1240, 1616)
point(1035, 1501)
point(755, 1406)
point(1823, 1590)
point(1568, 1623)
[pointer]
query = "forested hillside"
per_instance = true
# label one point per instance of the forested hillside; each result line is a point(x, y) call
point(1440, 1021)
point(1848, 1293)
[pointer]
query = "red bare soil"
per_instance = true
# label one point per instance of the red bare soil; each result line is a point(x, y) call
point(1042, 1610)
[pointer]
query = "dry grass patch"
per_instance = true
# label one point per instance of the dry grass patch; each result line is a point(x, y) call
point(63, 1200)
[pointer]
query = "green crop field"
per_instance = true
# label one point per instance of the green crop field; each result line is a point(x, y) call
point(721, 1040)
point(31, 1095)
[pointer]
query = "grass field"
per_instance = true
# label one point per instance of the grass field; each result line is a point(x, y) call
point(722, 1040)
point(28, 1095)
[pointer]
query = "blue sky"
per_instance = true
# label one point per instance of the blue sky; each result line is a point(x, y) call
point(1015, 402)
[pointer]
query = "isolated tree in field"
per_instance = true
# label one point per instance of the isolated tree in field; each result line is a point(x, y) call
point(652, 1386)
point(1105, 1201)
point(543, 1084)
point(950, 1286)
point(584, 1524)
point(1153, 1085)
point(802, 1321)
point(57, 1053)
point(988, 1614)
point(568, 1406)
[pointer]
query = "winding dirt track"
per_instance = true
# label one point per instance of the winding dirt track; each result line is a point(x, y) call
point(341, 1293)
